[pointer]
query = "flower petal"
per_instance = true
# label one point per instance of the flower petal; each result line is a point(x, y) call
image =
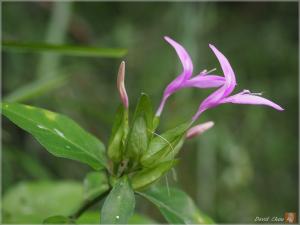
point(207, 81)
point(214, 99)
point(179, 81)
point(211, 101)
point(227, 70)
point(184, 58)
point(251, 99)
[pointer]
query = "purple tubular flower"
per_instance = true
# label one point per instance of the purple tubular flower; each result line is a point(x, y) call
point(184, 80)
point(220, 96)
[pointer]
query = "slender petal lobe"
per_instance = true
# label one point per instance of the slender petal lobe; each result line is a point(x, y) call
point(251, 99)
point(184, 58)
point(227, 70)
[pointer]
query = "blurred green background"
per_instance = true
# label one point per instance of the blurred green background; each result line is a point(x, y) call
point(246, 166)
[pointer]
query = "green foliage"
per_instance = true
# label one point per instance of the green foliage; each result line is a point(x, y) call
point(119, 204)
point(176, 206)
point(94, 184)
point(57, 220)
point(33, 202)
point(165, 146)
point(93, 217)
point(147, 176)
point(118, 135)
point(64, 49)
point(140, 131)
point(60, 135)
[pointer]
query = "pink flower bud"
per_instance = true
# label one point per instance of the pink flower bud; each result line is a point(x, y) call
point(121, 85)
point(199, 129)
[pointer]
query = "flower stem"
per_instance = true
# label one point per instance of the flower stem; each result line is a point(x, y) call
point(87, 204)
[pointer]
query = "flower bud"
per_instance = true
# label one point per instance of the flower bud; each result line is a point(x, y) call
point(121, 85)
point(199, 129)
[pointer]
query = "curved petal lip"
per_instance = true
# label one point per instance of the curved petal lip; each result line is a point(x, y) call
point(252, 100)
point(184, 57)
point(227, 70)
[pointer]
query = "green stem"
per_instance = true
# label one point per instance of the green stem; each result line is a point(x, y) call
point(86, 205)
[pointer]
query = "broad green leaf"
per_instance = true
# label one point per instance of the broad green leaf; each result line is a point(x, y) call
point(119, 204)
point(141, 219)
point(94, 184)
point(176, 206)
point(140, 132)
point(60, 135)
point(92, 217)
point(57, 220)
point(64, 49)
point(36, 88)
point(32, 202)
point(118, 135)
point(147, 176)
point(89, 217)
point(166, 146)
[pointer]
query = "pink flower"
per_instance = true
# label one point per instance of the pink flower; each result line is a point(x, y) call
point(184, 80)
point(221, 95)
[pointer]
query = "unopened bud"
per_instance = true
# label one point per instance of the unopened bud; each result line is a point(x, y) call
point(199, 129)
point(121, 85)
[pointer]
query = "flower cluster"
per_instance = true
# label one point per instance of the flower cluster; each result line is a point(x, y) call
point(204, 79)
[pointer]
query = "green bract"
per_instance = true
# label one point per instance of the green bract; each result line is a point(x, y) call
point(118, 136)
point(165, 146)
point(147, 176)
point(140, 131)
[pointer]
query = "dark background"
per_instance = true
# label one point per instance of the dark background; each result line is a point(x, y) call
point(246, 166)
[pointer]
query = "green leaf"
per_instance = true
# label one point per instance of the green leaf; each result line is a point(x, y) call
point(57, 220)
point(140, 132)
point(176, 206)
point(92, 217)
point(64, 49)
point(118, 135)
point(147, 176)
point(89, 217)
point(94, 184)
point(32, 202)
point(141, 219)
point(166, 146)
point(119, 204)
point(60, 135)
point(35, 88)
